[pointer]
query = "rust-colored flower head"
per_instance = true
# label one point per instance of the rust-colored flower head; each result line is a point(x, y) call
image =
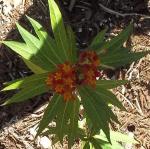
point(90, 58)
point(88, 63)
point(63, 81)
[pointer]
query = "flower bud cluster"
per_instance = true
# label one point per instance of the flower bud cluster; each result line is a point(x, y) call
point(67, 77)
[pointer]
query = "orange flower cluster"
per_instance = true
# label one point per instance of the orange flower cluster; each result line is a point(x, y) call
point(63, 81)
point(88, 63)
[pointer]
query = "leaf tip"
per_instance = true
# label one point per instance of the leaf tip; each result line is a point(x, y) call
point(5, 103)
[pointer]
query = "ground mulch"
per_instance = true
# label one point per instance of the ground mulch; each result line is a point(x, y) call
point(87, 18)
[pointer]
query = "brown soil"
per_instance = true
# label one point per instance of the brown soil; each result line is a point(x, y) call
point(87, 18)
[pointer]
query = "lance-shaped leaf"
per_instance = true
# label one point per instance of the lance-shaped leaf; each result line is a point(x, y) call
point(109, 84)
point(23, 50)
point(108, 115)
point(107, 97)
point(96, 112)
point(49, 44)
point(27, 82)
point(27, 93)
point(33, 67)
point(86, 145)
point(72, 50)
point(62, 119)
point(73, 126)
point(105, 145)
point(20, 48)
point(121, 58)
point(98, 41)
point(102, 144)
point(40, 31)
point(120, 137)
point(117, 42)
point(37, 47)
point(58, 30)
point(97, 143)
point(117, 136)
point(113, 116)
point(50, 112)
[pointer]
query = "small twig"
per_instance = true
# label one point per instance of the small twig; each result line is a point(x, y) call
point(127, 121)
point(126, 99)
point(138, 107)
point(121, 14)
point(132, 70)
point(24, 1)
point(131, 67)
point(71, 5)
point(43, 7)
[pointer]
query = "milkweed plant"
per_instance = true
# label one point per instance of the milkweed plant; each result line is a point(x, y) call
point(75, 78)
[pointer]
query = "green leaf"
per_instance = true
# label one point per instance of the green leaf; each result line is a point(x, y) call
point(98, 40)
point(115, 138)
point(72, 50)
point(50, 112)
point(105, 145)
point(87, 145)
point(20, 48)
point(121, 59)
point(27, 93)
point(39, 30)
point(109, 84)
point(96, 143)
point(116, 145)
point(107, 97)
point(73, 126)
point(108, 114)
point(36, 46)
point(120, 137)
point(27, 82)
point(58, 30)
point(96, 112)
point(34, 68)
point(23, 50)
point(113, 116)
point(116, 43)
point(62, 119)
point(49, 46)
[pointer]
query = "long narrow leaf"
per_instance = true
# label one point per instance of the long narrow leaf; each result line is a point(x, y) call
point(27, 93)
point(96, 143)
point(107, 97)
point(86, 145)
point(62, 119)
point(58, 30)
point(99, 118)
point(114, 44)
point(49, 46)
point(50, 112)
point(20, 48)
point(35, 45)
point(98, 40)
point(117, 136)
point(33, 67)
point(109, 84)
point(23, 50)
point(73, 122)
point(27, 82)
point(72, 50)
point(121, 59)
